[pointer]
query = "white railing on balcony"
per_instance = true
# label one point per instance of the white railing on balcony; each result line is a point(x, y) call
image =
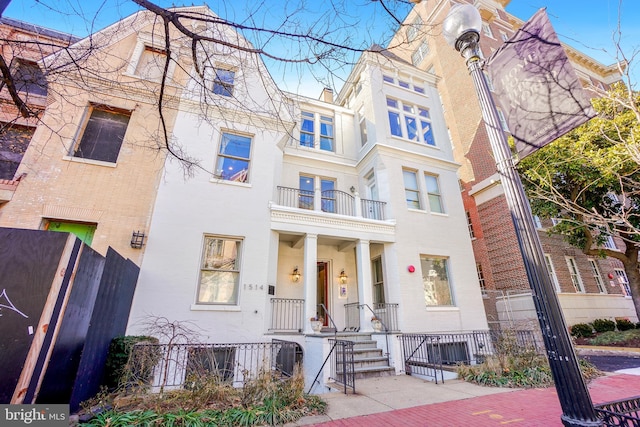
point(331, 201)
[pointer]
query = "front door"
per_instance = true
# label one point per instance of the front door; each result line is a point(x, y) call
point(322, 295)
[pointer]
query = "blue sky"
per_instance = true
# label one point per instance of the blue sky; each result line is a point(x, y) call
point(587, 25)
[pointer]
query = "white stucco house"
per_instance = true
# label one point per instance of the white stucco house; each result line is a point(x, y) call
point(341, 209)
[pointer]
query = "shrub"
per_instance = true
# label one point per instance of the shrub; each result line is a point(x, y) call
point(581, 330)
point(604, 325)
point(119, 354)
point(624, 324)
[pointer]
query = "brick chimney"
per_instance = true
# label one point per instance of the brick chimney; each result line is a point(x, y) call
point(327, 95)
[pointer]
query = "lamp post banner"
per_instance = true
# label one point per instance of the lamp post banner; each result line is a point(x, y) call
point(536, 87)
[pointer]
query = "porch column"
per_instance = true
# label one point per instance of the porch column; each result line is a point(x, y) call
point(310, 279)
point(365, 291)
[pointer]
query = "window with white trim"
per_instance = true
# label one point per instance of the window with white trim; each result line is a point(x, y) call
point(552, 272)
point(486, 29)
point(219, 271)
point(412, 194)
point(504, 36)
point(413, 29)
point(317, 127)
point(623, 281)
point(223, 81)
point(410, 121)
point(435, 281)
point(595, 271)
point(420, 53)
point(433, 193)
point(576, 279)
point(470, 225)
point(609, 243)
point(103, 134)
point(233, 157)
point(363, 126)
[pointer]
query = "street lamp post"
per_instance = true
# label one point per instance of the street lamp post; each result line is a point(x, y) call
point(461, 29)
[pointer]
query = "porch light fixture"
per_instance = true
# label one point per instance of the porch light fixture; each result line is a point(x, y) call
point(343, 277)
point(137, 239)
point(295, 275)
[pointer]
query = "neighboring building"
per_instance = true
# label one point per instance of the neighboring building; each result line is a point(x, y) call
point(316, 208)
point(94, 162)
point(588, 288)
point(22, 55)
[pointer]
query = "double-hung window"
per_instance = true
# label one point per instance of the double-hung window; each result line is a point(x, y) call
point(435, 281)
point(103, 134)
point(412, 194)
point(233, 157)
point(576, 279)
point(552, 272)
point(223, 81)
point(595, 271)
point(326, 133)
point(623, 280)
point(433, 193)
point(410, 121)
point(310, 123)
point(28, 77)
point(219, 271)
point(413, 29)
point(420, 53)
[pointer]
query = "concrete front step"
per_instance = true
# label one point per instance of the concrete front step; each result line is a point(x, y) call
point(367, 362)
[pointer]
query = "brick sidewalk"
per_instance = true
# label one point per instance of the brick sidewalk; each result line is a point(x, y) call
point(532, 407)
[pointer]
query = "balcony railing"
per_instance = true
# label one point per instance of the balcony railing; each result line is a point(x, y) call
point(287, 315)
point(387, 313)
point(331, 201)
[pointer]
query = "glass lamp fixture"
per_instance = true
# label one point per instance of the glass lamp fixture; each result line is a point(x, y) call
point(462, 22)
point(343, 277)
point(295, 275)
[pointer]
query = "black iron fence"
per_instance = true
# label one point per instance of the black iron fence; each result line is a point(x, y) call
point(172, 366)
point(338, 202)
point(387, 313)
point(426, 354)
point(287, 315)
point(620, 413)
point(342, 364)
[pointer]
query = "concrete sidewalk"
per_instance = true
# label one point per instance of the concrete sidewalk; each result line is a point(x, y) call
point(409, 401)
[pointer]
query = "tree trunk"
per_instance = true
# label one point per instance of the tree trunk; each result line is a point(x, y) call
point(633, 274)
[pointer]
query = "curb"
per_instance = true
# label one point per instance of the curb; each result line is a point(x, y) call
point(592, 350)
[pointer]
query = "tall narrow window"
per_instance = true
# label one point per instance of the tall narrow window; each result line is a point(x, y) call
point(151, 63)
point(307, 129)
point(103, 134)
point(470, 225)
point(481, 281)
point(378, 281)
point(307, 188)
point(233, 157)
point(220, 271)
point(435, 280)
point(552, 272)
point(394, 118)
point(623, 281)
point(328, 192)
point(363, 127)
point(411, 192)
point(575, 274)
point(14, 140)
point(326, 133)
point(595, 271)
point(433, 194)
point(223, 81)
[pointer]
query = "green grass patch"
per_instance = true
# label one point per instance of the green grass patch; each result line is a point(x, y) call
point(616, 338)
